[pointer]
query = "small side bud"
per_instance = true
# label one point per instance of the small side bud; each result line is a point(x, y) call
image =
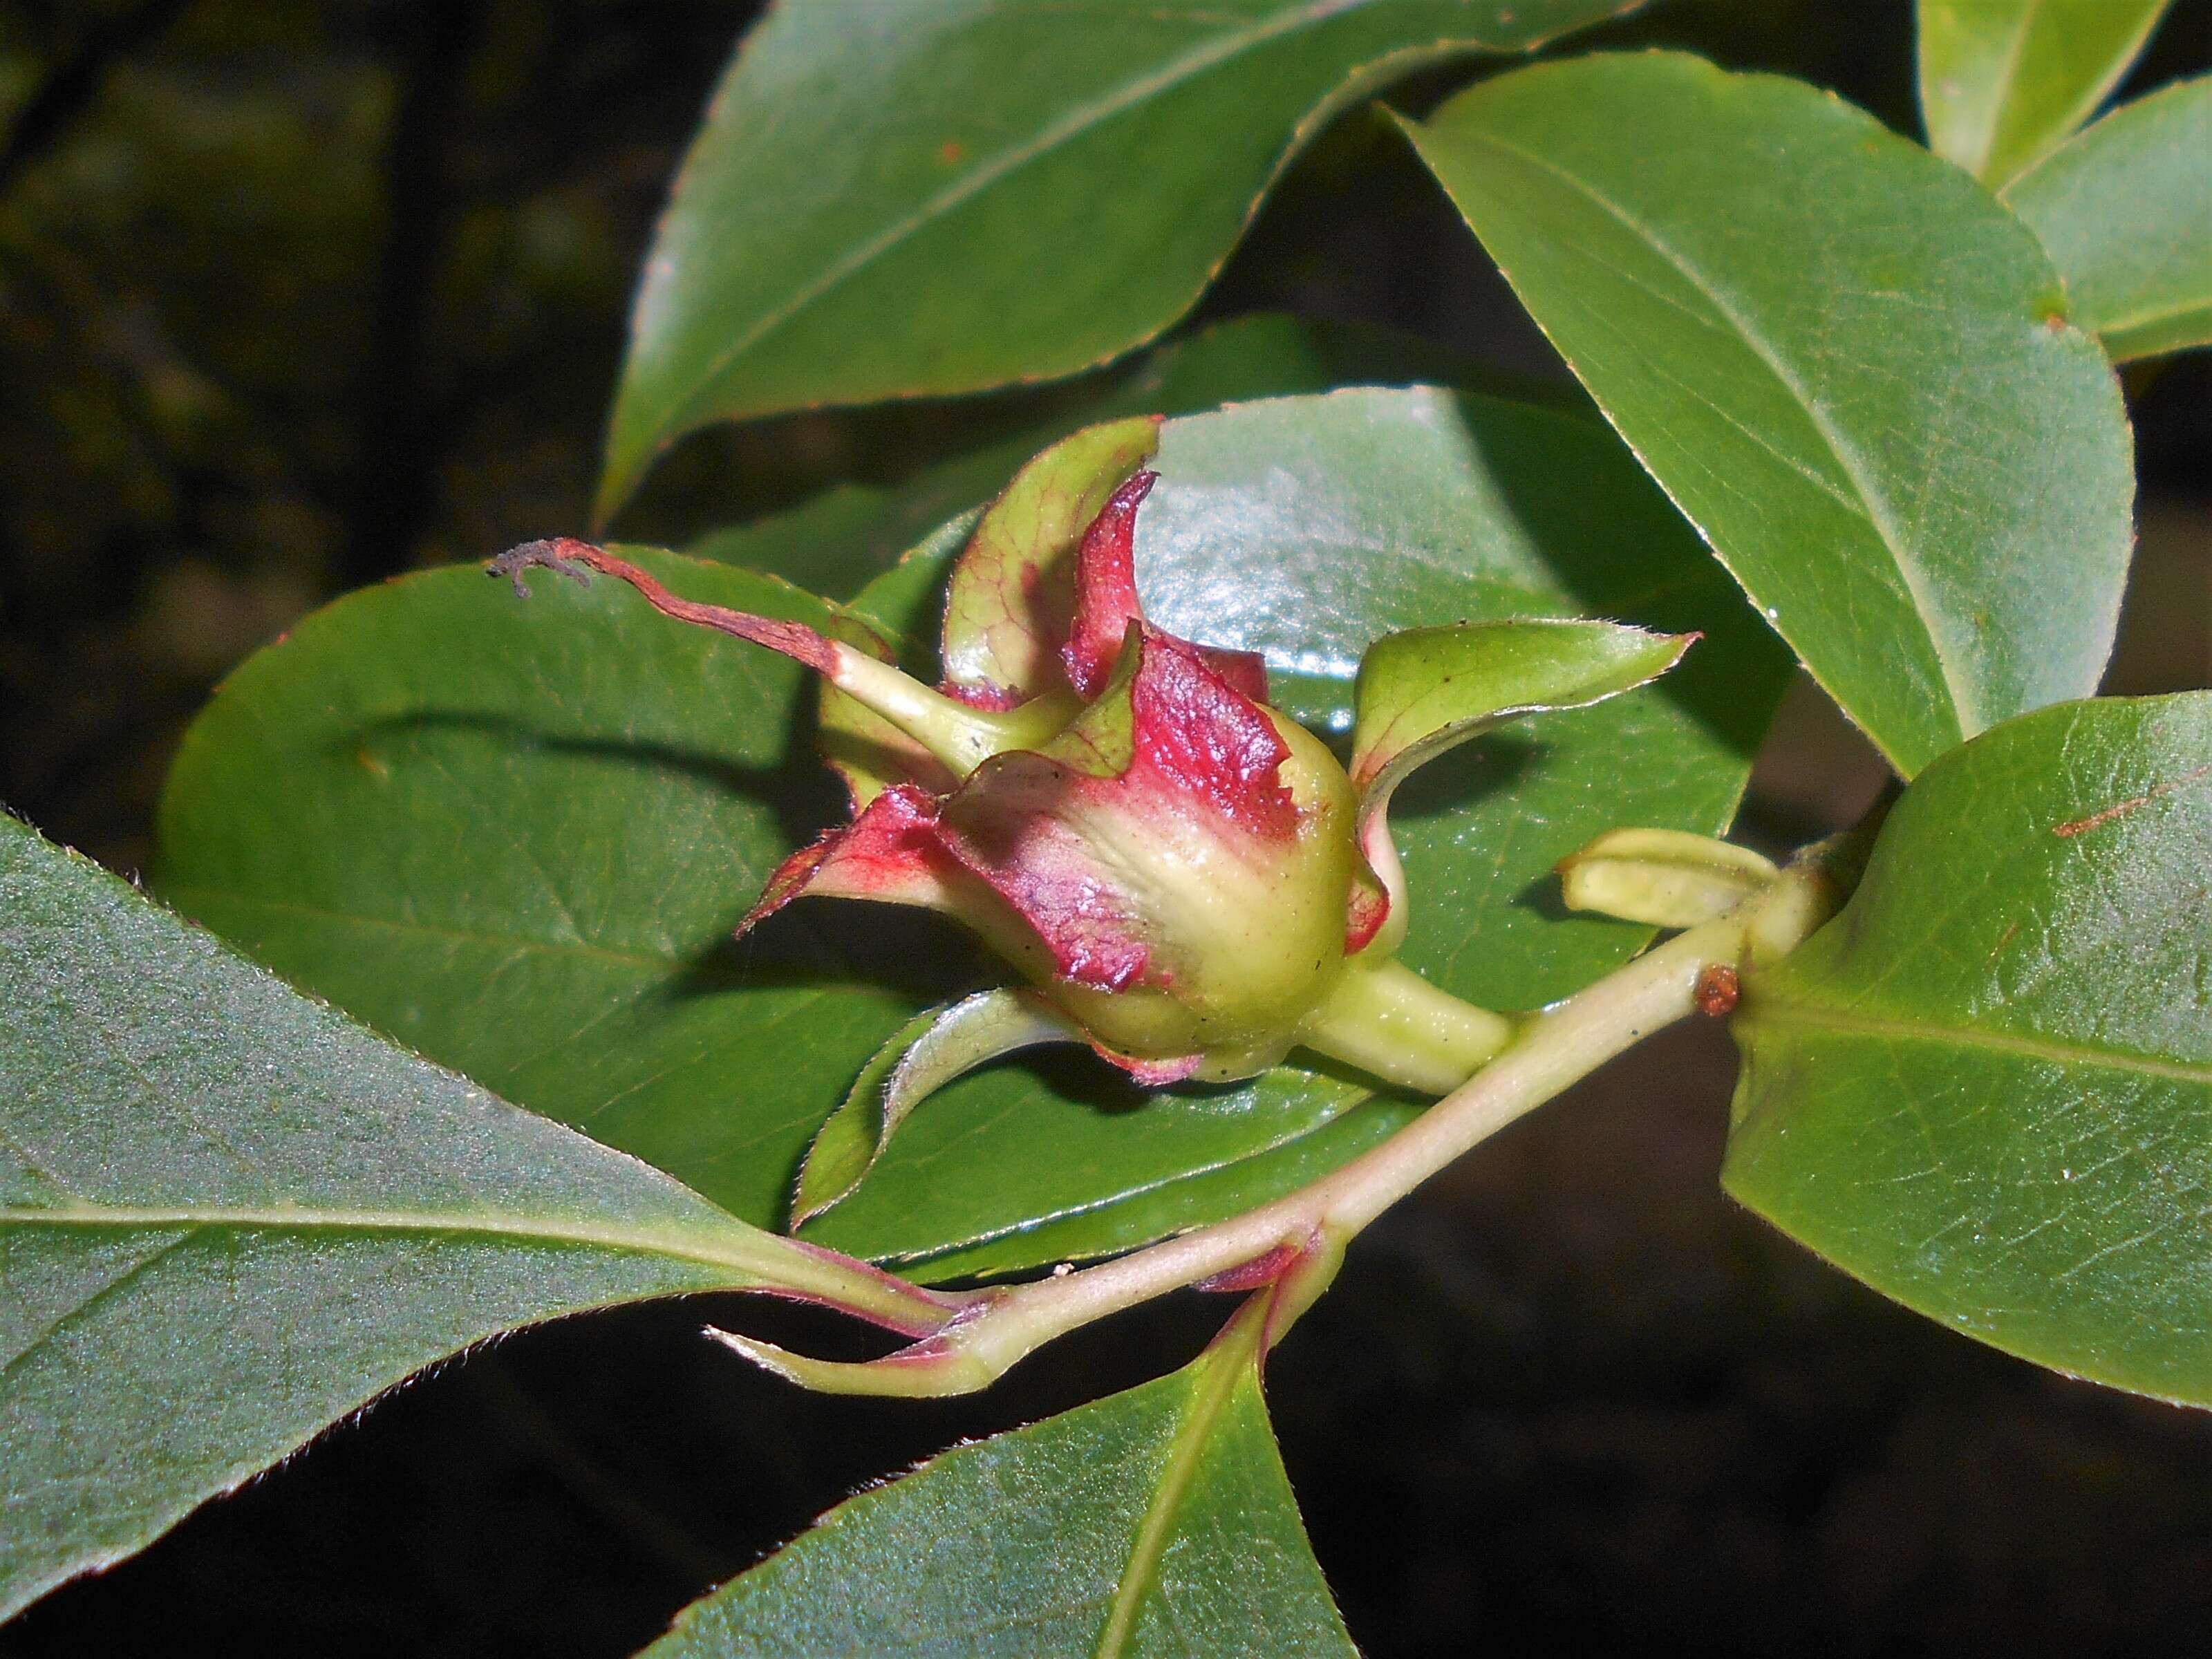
point(1661, 877)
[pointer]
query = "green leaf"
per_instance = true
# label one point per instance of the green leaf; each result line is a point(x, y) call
point(835, 543)
point(1157, 1522)
point(229, 1216)
point(1985, 1087)
point(2003, 83)
point(2125, 210)
point(894, 201)
point(516, 836)
point(1845, 362)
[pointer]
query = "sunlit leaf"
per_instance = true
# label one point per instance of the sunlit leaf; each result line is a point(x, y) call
point(2003, 83)
point(835, 543)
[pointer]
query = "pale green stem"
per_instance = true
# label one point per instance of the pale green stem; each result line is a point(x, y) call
point(792, 1267)
point(1553, 1050)
point(1390, 1023)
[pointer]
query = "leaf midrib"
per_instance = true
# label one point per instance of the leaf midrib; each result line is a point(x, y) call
point(1073, 124)
point(2010, 72)
point(1209, 1398)
point(665, 1243)
point(1964, 708)
point(1770, 1011)
point(184, 896)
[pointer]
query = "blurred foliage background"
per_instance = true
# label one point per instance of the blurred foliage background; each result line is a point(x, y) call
point(299, 295)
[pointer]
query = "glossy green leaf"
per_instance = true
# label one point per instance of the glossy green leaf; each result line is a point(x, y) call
point(893, 200)
point(2003, 83)
point(1156, 1521)
point(516, 836)
point(2125, 210)
point(229, 1216)
point(837, 542)
point(1846, 363)
point(1986, 1088)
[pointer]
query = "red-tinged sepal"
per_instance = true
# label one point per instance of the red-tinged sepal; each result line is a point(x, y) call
point(1105, 590)
point(1153, 1073)
point(891, 853)
point(1019, 825)
point(566, 557)
point(1368, 908)
point(1011, 599)
point(1184, 856)
point(955, 734)
point(1247, 671)
point(1107, 603)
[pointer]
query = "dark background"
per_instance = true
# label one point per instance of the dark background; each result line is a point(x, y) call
point(295, 296)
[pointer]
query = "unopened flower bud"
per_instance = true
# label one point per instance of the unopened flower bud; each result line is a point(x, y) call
point(1184, 877)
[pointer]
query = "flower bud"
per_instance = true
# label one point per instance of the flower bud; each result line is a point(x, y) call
point(1172, 868)
point(1187, 879)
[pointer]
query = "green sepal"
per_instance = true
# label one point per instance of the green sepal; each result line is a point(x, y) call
point(1429, 689)
point(936, 1046)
